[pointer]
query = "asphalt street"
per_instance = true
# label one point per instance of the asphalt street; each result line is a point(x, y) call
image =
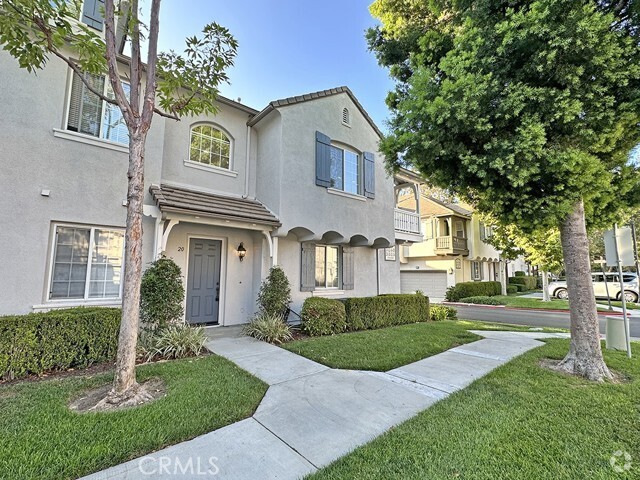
point(534, 318)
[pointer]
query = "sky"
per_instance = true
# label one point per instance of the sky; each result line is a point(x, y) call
point(287, 47)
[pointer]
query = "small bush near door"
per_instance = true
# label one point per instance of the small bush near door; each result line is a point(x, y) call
point(161, 295)
point(268, 328)
point(57, 340)
point(172, 342)
point(472, 289)
point(274, 297)
point(386, 310)
point(323, 316)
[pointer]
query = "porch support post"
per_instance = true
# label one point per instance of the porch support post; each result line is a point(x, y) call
point(165, 235)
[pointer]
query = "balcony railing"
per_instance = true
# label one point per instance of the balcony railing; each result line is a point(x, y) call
point(451, 244)
point(407, 222)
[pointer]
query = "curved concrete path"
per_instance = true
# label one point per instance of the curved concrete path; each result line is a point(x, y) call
point(312, 415)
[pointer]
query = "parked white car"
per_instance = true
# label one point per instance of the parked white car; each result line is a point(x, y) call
point(558, 288)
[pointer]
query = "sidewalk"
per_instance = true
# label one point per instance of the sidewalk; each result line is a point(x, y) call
point(312, 415)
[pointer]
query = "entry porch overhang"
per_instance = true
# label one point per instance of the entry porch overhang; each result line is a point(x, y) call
point(177, 204)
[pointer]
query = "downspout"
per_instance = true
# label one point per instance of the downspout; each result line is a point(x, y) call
point(247, 163)
point(378, 271)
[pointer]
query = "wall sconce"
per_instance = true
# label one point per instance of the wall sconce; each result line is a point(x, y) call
point(241, 251)
point(450, 271)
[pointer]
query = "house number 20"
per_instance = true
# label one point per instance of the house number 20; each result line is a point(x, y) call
point(181, 249)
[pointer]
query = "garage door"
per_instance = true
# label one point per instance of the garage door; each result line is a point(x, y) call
point(432, 283)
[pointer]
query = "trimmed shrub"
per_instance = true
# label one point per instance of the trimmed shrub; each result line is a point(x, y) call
point(520, 288)
point(520, 273)
point(438, 313)
point(172, 342)
point(386, 310)
point(161, 294)
point(268, 328)
point(482, 300)
point(275, 293)
point(35, 343)
point(472, 289)
point(512, 289)
point(323, 316)
point(528, 282)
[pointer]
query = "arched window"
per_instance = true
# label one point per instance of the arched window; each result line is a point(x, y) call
point(209, 146)
point(345, 116)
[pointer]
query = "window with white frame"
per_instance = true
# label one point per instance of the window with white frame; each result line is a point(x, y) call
point(345, 170)
point(327, 266)
point(87, 263)
point(476, 270)
point(91, 115)
point(209, 146)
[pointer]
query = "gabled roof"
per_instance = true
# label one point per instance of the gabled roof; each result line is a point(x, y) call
point(181, 200)
point(307, 97)
point(454, 207)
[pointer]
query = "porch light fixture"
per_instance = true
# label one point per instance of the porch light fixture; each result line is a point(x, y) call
point(241, 251)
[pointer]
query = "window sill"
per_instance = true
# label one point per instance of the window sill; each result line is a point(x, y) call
point(89, 140)
point(328, 292)
point(346, 124)
point(58, 304)
point(210, 168)
point(335, 191)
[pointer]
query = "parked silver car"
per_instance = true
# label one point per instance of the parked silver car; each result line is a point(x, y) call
point(558, 288)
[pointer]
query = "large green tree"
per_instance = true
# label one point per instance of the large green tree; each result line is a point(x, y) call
point(527, 109)
point(167, 84)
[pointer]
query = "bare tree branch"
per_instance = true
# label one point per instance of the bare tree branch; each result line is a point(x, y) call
point(152, 60)
point(112, 64)
point(135, 66)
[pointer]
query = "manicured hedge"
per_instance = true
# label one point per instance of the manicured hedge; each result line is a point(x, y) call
point(482, 300)
point(520, 273)
point(528, 282)
point(323, 316)
point(511, 289)
point(473, 289)
point(386, 310)
point(57, 340)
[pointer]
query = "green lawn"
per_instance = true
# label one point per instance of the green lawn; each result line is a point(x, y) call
point(519, 422)
point(630, 306)
point(520, 302)
point(392, 347)
point(40, 438)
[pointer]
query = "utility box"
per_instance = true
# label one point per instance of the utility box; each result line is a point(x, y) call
point(615, 333)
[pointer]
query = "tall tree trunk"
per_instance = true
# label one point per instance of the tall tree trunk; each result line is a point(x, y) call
point(124, 383)
point(545, 286)
point(585, 354)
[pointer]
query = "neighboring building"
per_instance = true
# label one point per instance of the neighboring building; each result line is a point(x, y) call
point(455, 249)
point(300, 184)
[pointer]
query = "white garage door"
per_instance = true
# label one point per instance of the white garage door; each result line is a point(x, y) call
point(432, 283)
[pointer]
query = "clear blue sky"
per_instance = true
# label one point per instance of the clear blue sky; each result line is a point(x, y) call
point(287, 47)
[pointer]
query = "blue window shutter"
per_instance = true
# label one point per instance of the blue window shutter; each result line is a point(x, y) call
point(308, 268)
point(92, 13)
point(348, 265)
point(323, 160)
point(369, 175)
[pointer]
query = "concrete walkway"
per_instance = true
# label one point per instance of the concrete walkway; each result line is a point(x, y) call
point(312, 415)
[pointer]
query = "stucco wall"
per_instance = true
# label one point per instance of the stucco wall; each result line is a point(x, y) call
point(87, 183)
point(301, 202)
point(176, 150)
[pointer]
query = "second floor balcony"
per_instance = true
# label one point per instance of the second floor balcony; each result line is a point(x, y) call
point(451, 245)
point(407, 222)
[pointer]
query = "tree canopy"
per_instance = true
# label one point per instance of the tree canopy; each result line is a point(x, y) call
point(522, 108)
